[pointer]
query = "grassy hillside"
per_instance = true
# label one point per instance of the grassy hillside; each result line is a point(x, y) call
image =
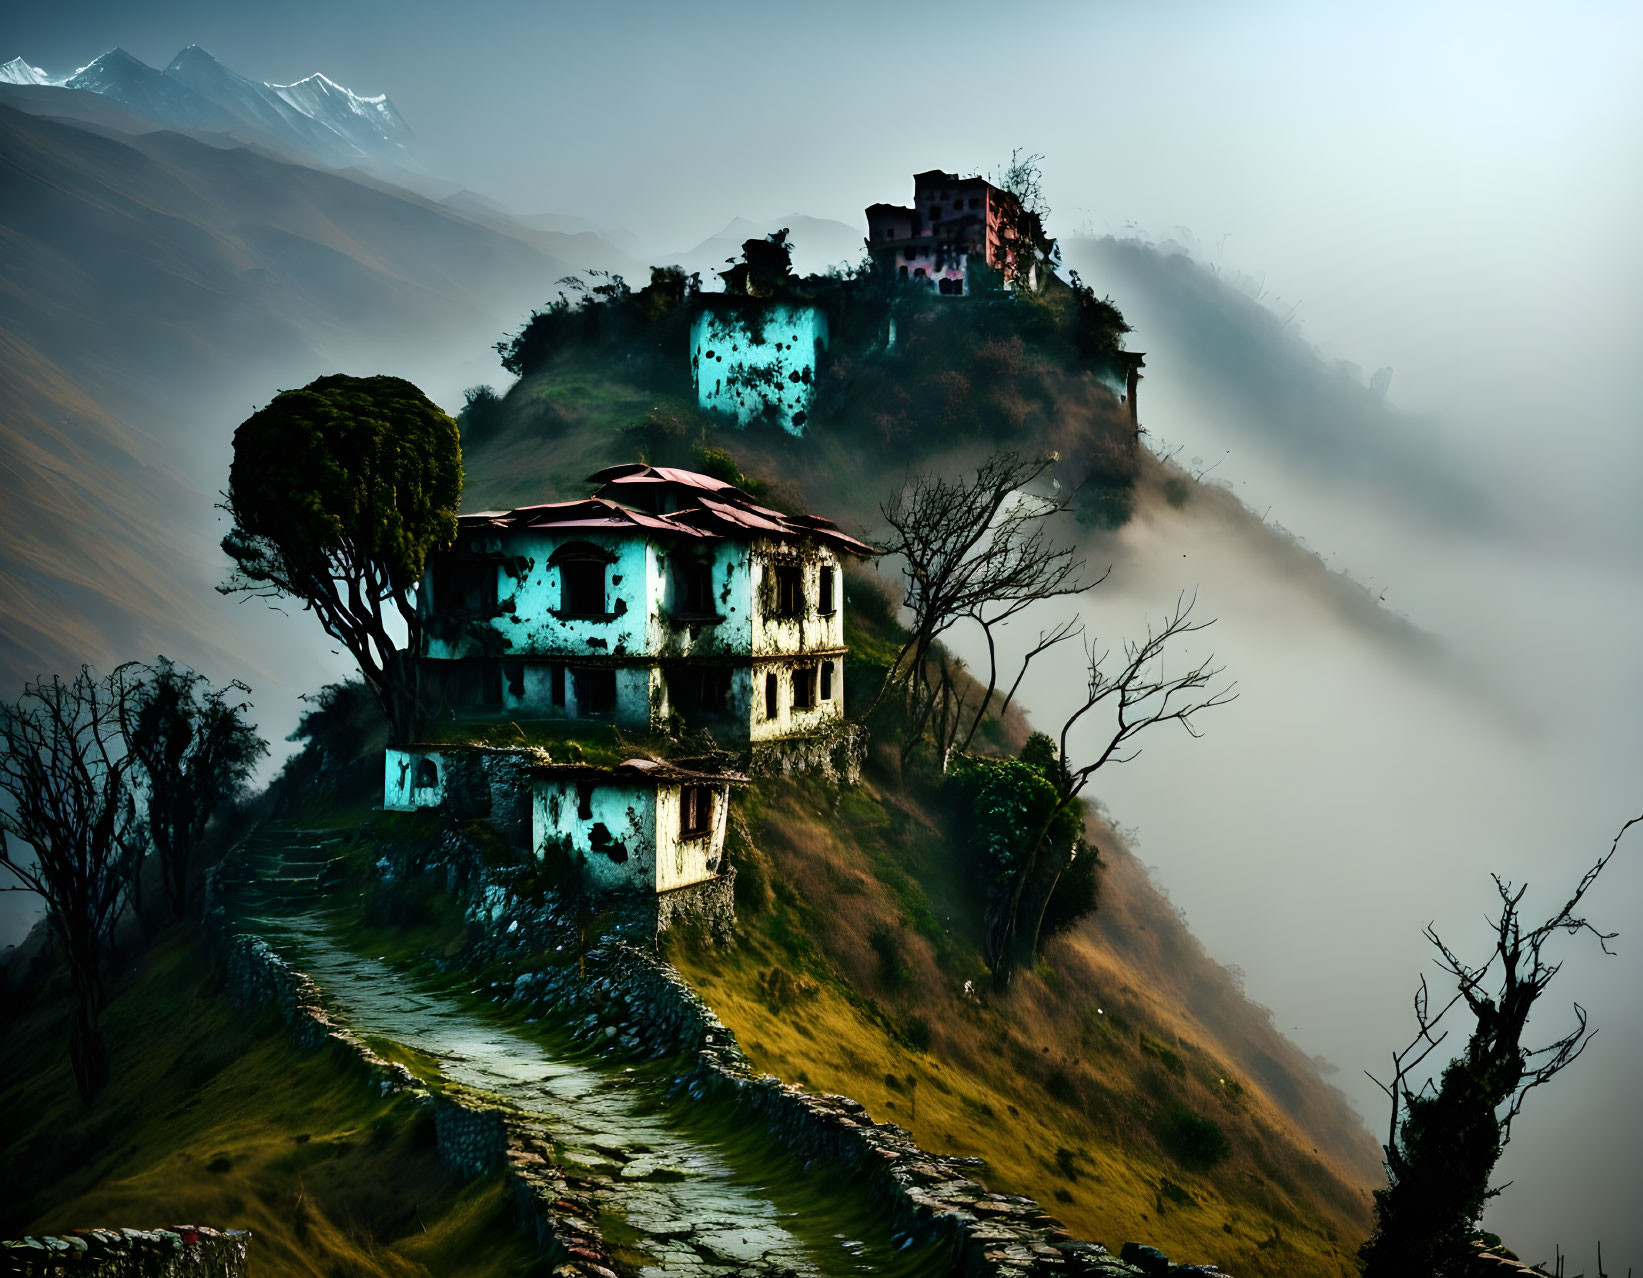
point(211, 1117)
point(1104, 1082)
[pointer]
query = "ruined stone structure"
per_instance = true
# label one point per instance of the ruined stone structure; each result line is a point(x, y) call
point(643, 824)
point(758, 361)
point(668, 597)
point(954, 224)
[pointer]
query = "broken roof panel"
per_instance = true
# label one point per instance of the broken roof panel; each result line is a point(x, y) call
point(715, 509)
point(638, 771)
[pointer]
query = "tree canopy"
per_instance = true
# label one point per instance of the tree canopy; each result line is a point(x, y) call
point(193, 752)
point(338, 493)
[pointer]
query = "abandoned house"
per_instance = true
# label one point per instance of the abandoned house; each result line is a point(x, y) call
point(954, 225)
point(756, 347)
point(667, 598)
point(644, 824)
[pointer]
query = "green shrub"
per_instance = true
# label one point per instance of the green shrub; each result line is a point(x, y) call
point(1193, 1140)
point(887, 943)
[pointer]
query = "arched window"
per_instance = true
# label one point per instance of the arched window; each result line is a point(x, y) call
point(582, 567)
point(427, 775)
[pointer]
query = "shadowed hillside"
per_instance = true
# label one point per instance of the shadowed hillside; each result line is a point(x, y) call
point(153, 290)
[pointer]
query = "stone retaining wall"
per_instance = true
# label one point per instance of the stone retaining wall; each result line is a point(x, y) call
point(834, 753)
point(182, 1251)
point(472, 1138)
point(624, 998)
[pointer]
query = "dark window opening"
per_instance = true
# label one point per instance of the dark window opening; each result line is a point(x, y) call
point(582, 587)
point(827, 681)
point(904, 272)
point(464, 585)
point(601, 841)
point(584, 800)
point(556, 684)
point(825, 594)
point(427, 774)
point(921, 274)
point(701, 689)
point(909, 252)
point(693, 588)
point(789, 590)
point(804, 688)
point(771, 697)
point(595, 690)
point(695, 811)
point(490, 684)
point(515, 671)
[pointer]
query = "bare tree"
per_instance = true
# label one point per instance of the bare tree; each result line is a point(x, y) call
point(1446, 1135)
point(980, 550)
point(1138, 695)
point(67, 830)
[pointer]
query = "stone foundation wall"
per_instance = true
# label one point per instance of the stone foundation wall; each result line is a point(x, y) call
point(713, 904)
point(182, 1251)
point(835, 754)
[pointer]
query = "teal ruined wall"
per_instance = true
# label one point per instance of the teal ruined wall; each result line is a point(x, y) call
point(758, 361)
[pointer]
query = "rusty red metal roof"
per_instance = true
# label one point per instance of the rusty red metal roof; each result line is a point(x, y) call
point(713, 510)
point(639, 771)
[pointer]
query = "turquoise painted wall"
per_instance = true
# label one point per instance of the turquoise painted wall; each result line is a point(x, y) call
point(752, 363)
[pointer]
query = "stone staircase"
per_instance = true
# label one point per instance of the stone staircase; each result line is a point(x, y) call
point(278, 872)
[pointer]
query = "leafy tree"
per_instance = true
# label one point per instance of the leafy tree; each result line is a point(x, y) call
point(1012, 804)
point(338, 493)
point(1445, 1137)
point(193, 752)
point(63, 774)
point(482, 412)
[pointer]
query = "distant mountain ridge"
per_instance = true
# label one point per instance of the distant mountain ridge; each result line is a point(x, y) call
point(314, 117)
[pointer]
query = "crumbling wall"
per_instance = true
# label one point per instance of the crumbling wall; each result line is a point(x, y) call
point(758, 361)
point(182, 1251)
point(466, 782)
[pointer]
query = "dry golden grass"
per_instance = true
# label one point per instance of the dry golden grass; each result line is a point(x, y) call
point(1065, 1082)
point(212, 1118)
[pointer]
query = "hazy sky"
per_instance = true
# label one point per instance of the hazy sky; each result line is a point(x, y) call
point(1452, 191)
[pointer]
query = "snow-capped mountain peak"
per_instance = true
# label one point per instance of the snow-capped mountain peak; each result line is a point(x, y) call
point(351, 114)
point(19, 72)
point(314, 116)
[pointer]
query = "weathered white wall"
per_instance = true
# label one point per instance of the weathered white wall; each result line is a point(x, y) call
point(811, 631)
point(787, 720)
point(749, 365)
point(670, 633)
point(528, 596)
point(681, 862)
point(953, 267)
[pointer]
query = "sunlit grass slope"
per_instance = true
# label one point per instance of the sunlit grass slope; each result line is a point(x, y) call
point(1087, 1084)
point(211, 1117)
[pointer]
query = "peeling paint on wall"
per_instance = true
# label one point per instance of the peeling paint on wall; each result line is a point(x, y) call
point(757, 362)
point(629, 836)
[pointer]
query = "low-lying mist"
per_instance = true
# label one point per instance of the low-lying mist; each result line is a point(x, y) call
point(1470, 708)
